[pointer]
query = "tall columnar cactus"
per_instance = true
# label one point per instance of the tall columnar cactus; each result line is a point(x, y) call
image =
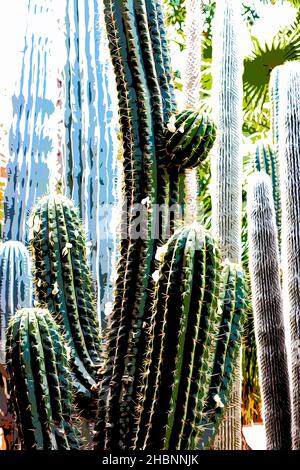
point(289, 152)
point(39, 382)
point(151, 176)
point(31, 131)
point(274, 87)
point(268, 312)
point(90, 146)
point(226, 166)
point(63, 283)
point(266, 159)
point(15, 284)
point(192, 344)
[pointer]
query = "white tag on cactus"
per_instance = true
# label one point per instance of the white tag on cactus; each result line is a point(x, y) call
point(171, 124)
point(66, 248)
point(181, 129)
point(155, 276)
point(160, 252)
point(108, 308)
point(146, 201)
point(76, 233)
point(55, 289)
point(218, 401)
point(36, 223)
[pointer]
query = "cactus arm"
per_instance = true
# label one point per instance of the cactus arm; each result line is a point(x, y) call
point(268, 312)
point(226, 352)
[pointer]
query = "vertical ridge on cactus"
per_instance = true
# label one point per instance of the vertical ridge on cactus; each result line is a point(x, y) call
point(39, 382)
point(63, 282)
point(226, 167)
point(15, 284)
point(289, 158)
point(268, 312)
point(30, 141)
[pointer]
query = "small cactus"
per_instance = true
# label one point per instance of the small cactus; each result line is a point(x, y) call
point(39, 382)
point(63, 282)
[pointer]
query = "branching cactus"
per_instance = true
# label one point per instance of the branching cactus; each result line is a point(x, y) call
point(15, 284)
point(39, 382)
point(266, 159)
point(289, 159)
point(63, 283)
point(140, 57)
point(226, 166)
point(268, 312)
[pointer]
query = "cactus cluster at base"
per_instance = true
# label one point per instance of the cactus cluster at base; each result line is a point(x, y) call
point(63, 283)
point(39, 382)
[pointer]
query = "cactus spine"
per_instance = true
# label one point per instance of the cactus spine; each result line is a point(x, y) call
point(39, 382)
point(268, 312)
point(289, 153)
point(227, 167)
point(15, 284)
point(30, 135)
point(63, 282)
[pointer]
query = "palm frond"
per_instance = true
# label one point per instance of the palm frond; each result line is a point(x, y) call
point(258, 67)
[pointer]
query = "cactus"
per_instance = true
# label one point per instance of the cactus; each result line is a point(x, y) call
point(137, 44)
point(89, 142)
point(39, 382)
point(192, 348)
point(266, 159)
point(179, 357)
point(30, 137)
point(226, 167)
point(15, 284)
point(192, 140)
point(233, 302)
point(63, 283)
point(289, 160)
point(268, 312)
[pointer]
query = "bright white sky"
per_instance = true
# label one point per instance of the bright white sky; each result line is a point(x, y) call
point(13, 17)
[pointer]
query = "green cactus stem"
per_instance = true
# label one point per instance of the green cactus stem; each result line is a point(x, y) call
point(226, 351)
point(39, 382)
point(266, 159)
point(63, 282)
